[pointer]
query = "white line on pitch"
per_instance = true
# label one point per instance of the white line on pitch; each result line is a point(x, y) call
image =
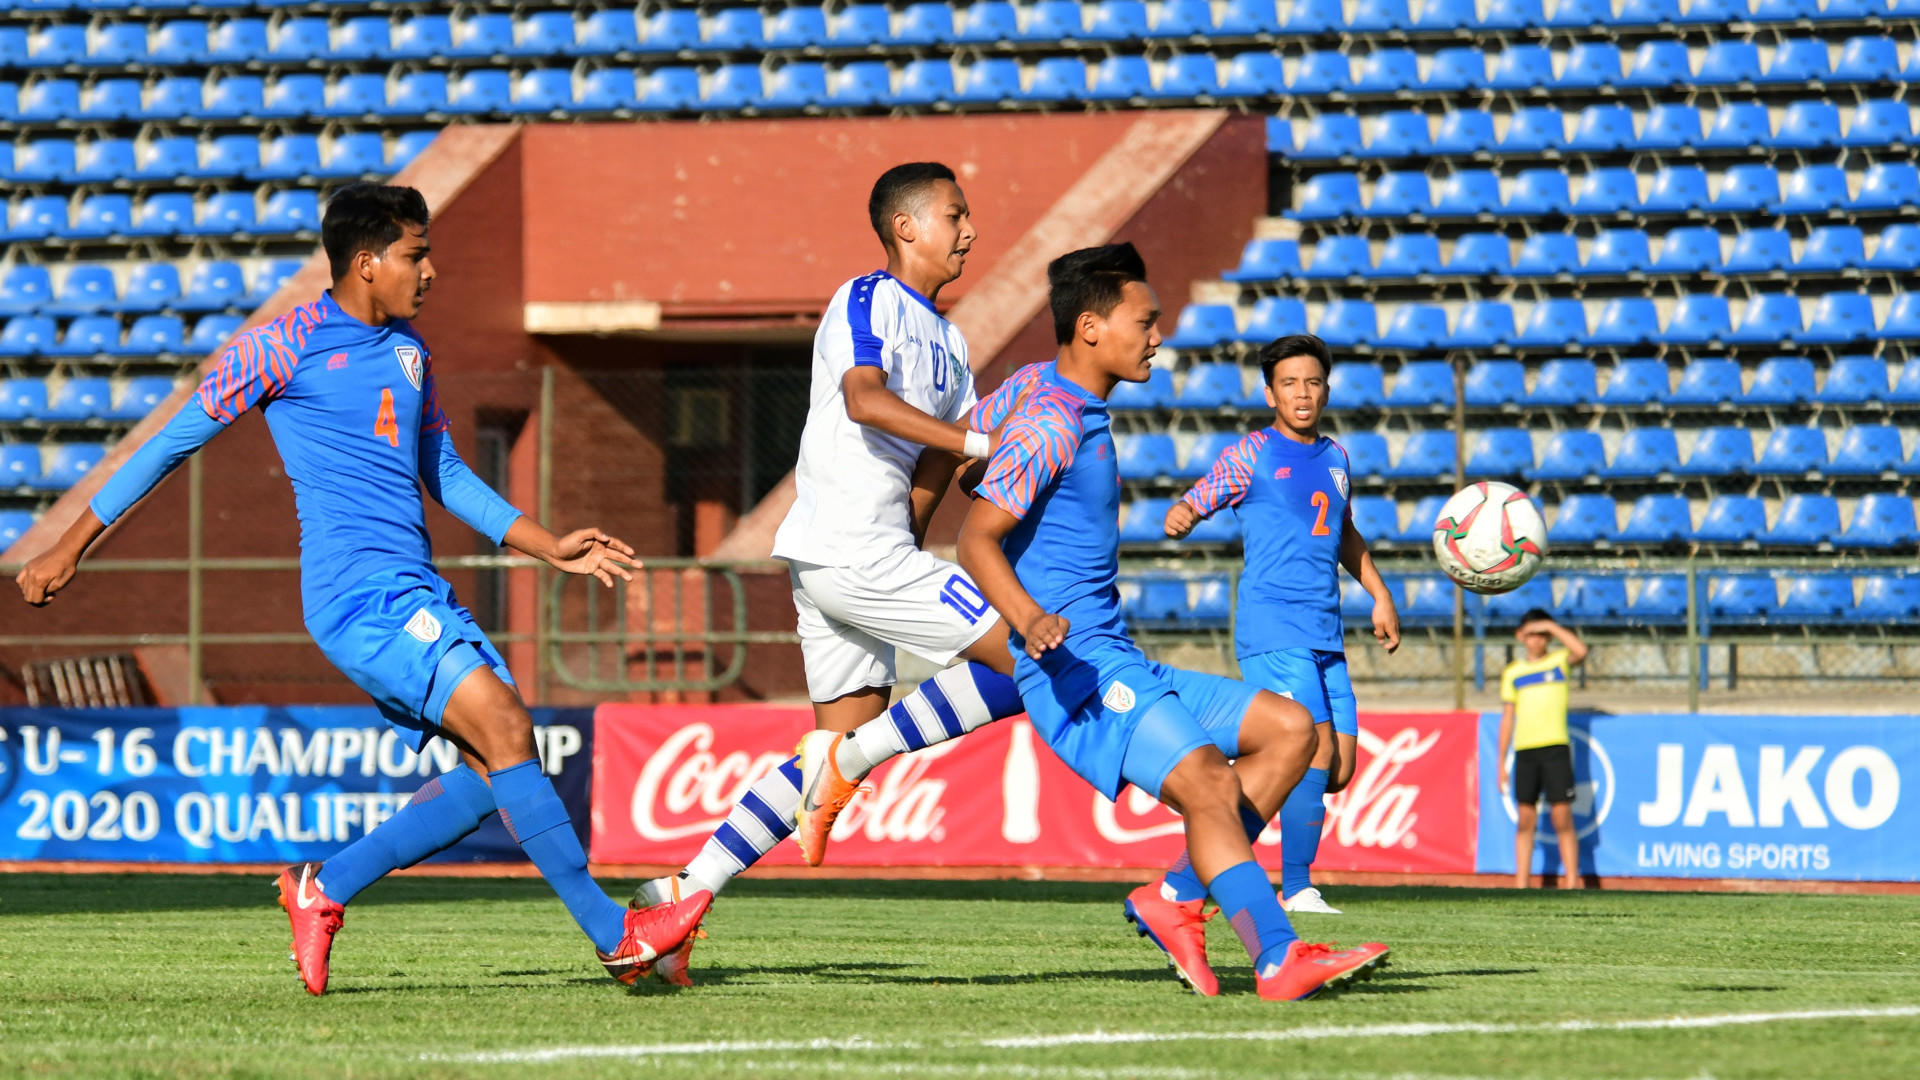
point(1032, 1042)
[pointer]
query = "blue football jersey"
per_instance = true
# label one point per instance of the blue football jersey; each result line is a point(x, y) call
point(1292, 502)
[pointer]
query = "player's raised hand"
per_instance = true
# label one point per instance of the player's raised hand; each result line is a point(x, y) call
point(1180, 519)
point(592, 552)
point(45, 575)
point(1044, 632)
point(1386, 625)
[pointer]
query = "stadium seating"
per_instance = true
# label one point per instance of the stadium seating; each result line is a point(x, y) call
point(1732, 519)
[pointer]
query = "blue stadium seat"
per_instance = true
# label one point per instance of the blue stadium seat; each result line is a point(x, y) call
point(1657, 64)
point(1796, 61)
point(101, 216)
point(550, 90)
point(24, 289)
point(215, 285)
point(1580, 14)
point(1661, 600)
point(671, 30)
point(1539, 192)
point(1275, 317)
point(1867, 59)
point(1321, 72)
point(1147, 456)
point(1523, 68)
point(137, 397)
point(1808, 125)
point(1315, 17)
point(357, 154)
point(1687, 251)
point(483, 36)
point(614, 31)
point(80, 399)
point(357, 95)
point(1818, 598)
point(1658, 519)
point(1183, 19)
point(301, 39)
point(212, 332)
point(860, 25)
point(1671, 127)
point(154, 335)
point(1355, 385)
point(1839, 318)
point(1479, 253)
point(419, 93)
point(798, 85)
point(1708, 381)
point(179, 41)
point(1855, 380)
point(1784, 10)
point(926, 81)
point(69, 465)
point(730, 30)
point(925, 24)
point(1053, 21)
point(1814, 189)
point(88, 335)
point(1468, 193)
point(1212, 602)
point(1457, 68)
point(57, 45)
point(1121, 78)
point(1553, 324)
point(481, 91)
point(1833, 247)
point(13, 523)
point(152, 286)
point(288, 212)
point(1793, 451)
point(119, 44)
point(20, 399)
point(1203, 452)
point(1396, 134)
point(1214, 386)
point(801, 26)
point(44, 160)
point(1548, 254)
point(1770, 319)
point(1327, 196)
point(1699, 319)
point(1733, 519)
point(1387, 71)
point(1585, 519)
point(729, 87)
point(1881, 519)
point(1606, 192)
point(1203, 326)
point(1728, 63)
point(1492, 384)
point(1430, 600)
point(1617, 252)
point(164, 214)
point(1267, 260)
point(1782, 380)
point(19, 466)
point(1419, 527)
point(87, 288)
point(1367, 455)
point(229, 156)
point(1879, 123)
point(1483, 324)
point(1590, 65)
point(1565, 382)
point(1738, 126)
point(1345, 323)
point(370, 37)
point(1507, 608)
point(1888, 598)
point(1535, 129)
point(1144, 521)
point(113, 99)
point(1903, 318)
point(1425, 455)
point(49, 100)
point(1759, 251)
point(235, 97)
point(1055, 78)
point(1415, 327)
point(1512, 15)
point(1218, 529)
point(1602, 129)
point(1338, 257)
point(1155, 393)
point(1446, 15)
point(237, 41)
point(1594, 599)
point(268, 279)
point(1422, 384)
point(1720, 451)
point(1375, 517)
point(1254, 74)
point(1501, 452)
point(423, 37)
point(226, 213)
point(1867, 450)
point(1464, 132)
point(1645, 453)
point(1806, 520)
point(1116, 20)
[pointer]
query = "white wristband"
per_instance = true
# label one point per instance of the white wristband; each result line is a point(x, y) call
point(976, 445)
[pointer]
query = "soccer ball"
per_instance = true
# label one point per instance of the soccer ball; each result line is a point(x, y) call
point(1490, 537)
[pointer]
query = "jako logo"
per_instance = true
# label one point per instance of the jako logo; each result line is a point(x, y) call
point(1592, 791)
point(1719, 787)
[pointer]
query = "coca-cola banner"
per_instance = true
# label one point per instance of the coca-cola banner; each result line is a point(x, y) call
point(665, 777)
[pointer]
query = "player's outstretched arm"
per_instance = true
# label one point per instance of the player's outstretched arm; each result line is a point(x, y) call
point(982, 557)
point(932, 476)
point(1576, 648)
point(1359, 562)
point(871, 404)
point(587, 552)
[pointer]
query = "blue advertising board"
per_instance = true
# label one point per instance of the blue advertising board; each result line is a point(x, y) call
point(243, 784)
point(1707, 796)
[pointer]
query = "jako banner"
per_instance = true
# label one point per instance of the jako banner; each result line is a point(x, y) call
point(237, 784)
point(1706, 796)
point(665, 777)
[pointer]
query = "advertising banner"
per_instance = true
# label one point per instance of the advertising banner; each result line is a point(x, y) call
point(665, 777)
point(1707, 796)
point(240, 784)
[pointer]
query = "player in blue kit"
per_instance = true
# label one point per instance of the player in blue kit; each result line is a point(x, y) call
point(346, 386)
point(1042, 541)
point(1290, 486)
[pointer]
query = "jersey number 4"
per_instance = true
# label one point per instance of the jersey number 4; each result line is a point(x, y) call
point(387, 426)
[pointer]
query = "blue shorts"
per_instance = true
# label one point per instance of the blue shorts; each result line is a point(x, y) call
point(1314, 678)
point(404, 639)
point(1118, 718)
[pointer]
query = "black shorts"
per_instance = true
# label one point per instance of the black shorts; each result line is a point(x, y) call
point(1543, 770)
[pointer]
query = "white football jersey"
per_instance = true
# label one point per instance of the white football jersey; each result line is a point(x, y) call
point(851, 505)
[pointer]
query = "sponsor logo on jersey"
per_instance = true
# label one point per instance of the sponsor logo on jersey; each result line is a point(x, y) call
point(1119, 697)
point(424, 626)
point(1284, 472)
point(410, 362)
point(1339, 480)
point(336, 361)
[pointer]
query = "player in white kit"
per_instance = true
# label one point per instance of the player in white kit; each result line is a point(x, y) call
point(889, 424)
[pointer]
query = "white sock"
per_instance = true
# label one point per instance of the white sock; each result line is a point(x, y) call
point(947, 706)
point(757, 823)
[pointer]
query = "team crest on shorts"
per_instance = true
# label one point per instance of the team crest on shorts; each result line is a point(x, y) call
point(424, 626)
point(409, 357)
point(1339, 479)
point(1119, 697)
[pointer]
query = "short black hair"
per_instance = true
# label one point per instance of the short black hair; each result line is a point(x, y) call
point(895, 191)
point(1091, 279)
point(367, 217)
point(1294, 345)
point(1535, 615)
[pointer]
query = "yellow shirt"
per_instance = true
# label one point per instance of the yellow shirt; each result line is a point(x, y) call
point(1538, 691)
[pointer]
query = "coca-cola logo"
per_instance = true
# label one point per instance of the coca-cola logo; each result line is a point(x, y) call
point(1137, 817)
point(1375, 810)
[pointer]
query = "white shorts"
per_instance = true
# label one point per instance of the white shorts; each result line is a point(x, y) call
point(852, 618)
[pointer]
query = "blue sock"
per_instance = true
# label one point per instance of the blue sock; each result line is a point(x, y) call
point(1182, 882)
point(1301, 818)
point(538, 822)
point(444, 810)
point(1246, 898)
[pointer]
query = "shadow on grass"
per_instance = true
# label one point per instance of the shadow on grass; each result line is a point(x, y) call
point(1733, 989)
point(1465, 973)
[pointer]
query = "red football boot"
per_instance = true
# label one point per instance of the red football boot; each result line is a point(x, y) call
point(671, 968)
point(652, 933)
point(1310, 968)
point(1179, 929)
point(315, 919)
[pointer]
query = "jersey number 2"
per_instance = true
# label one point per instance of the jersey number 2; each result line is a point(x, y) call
point(387, 426)
point(1320, 523)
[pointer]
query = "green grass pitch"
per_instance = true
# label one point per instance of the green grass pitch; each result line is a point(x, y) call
point(145, 975)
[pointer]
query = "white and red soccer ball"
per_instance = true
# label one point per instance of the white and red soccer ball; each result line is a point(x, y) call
point(1490, 537)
